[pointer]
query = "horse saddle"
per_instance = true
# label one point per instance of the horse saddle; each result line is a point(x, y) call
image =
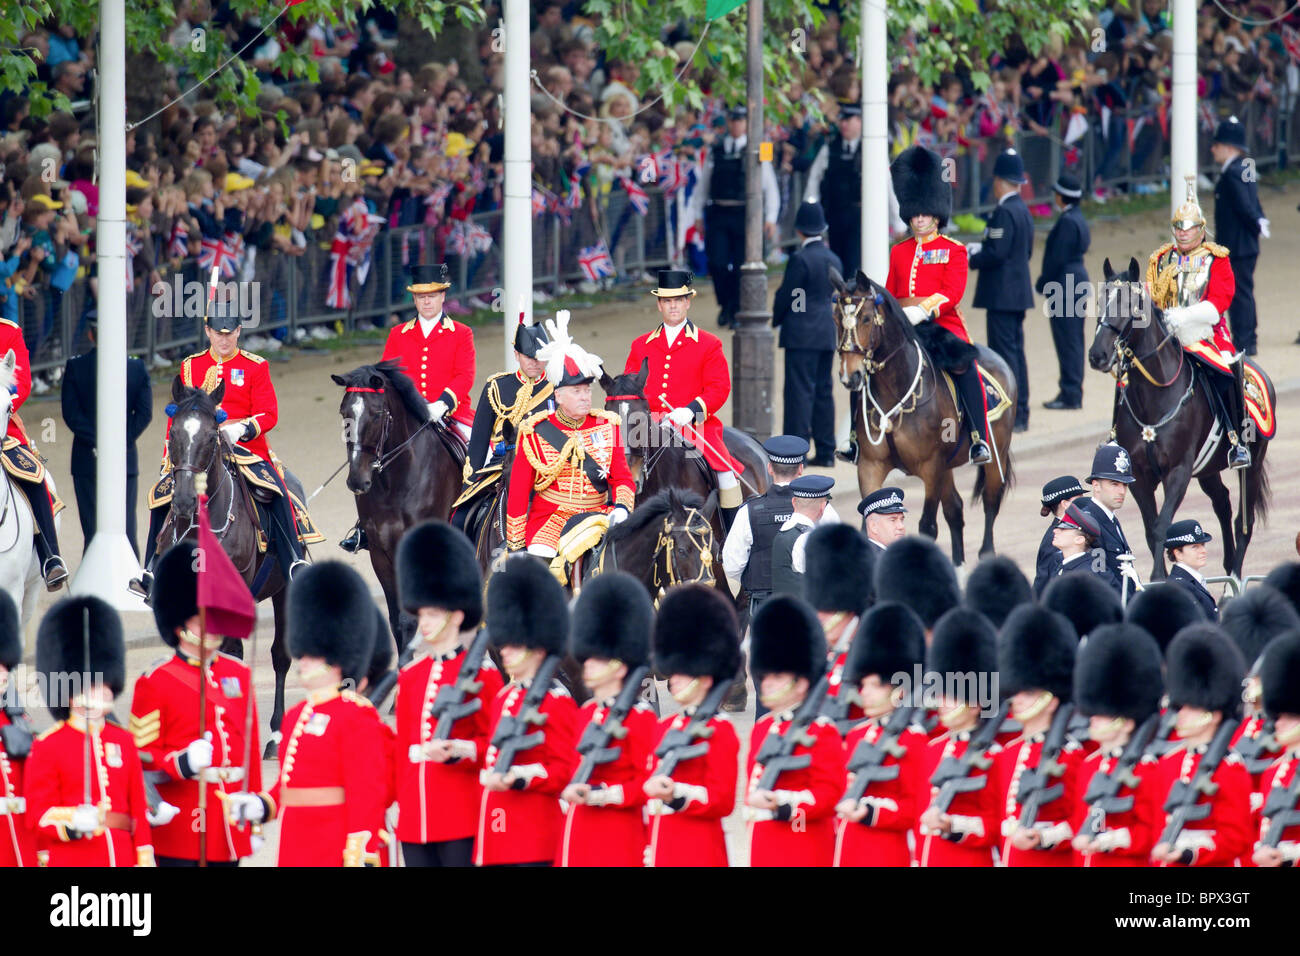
point(25, 465)
point(582, 533)
point(1258, 385)
point(995, 396)
point(480, 481)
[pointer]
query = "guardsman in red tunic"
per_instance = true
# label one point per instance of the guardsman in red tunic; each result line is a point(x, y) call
point(605, 823)
point(372, 687)
point(1205, 675)
point(23, 463)
point(329, 794)
point(791, 819)
point(697, 646)
point(927, 275)
point(1191, 282)
point(103, 821)
point(17, 842)
point(963, 652)
point(569, 462)
point(837, 583)
point(687, 381)
point(438, 791)
point(1118, 683)
point(1036, 668)
point(1281, 693)
point(872, 830)
point(165, 724)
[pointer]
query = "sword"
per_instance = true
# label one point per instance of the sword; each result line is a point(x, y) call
point(324, 483)
point(699, 439)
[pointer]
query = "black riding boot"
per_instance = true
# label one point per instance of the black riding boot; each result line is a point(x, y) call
point(970, 394)
point(1239, 452)
point(283, 534)
point(354, 540)
point(53, 570)
point(144, 583)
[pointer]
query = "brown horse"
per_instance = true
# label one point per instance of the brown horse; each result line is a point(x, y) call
point(196, 446)
point(1164, 418)
point(904, 415)
point(402, 468)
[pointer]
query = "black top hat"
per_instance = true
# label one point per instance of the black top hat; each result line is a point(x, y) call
point(812, 486)
point(1187, 531)
point(1067, 487)
point(674, 282)
point(529, 338)
point(1111, 462)
point(786, 449)
point(1010, 167)
point(810, 219)
point(1231, 133)
point(432, 278)
point(1068, 187)
point(883, 501)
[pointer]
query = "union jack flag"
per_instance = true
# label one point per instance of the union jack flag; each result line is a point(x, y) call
point(178, 243)
point(595, 262)
point(457, 245)
point(673, 176)
point(479, 239)
point(215, 254)
point(539, 202)
point(636, 196)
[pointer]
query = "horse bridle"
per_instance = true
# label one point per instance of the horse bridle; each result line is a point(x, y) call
point(1124, 354)
point(384, 459)
point(193, 470)
point(849, 325)
point(701, 540)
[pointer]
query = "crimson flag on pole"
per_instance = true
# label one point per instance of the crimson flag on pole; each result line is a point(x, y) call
point(222, 592)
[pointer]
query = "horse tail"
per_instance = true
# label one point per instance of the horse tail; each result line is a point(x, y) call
point(1260, 492)
point(1008, 479)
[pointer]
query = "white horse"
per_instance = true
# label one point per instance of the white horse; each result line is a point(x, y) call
point(20, 569)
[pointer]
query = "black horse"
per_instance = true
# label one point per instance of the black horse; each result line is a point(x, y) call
point(1164, 417)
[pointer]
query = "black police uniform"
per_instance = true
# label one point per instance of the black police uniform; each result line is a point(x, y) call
point(1112, 462)
point(882, 501)
point(1048, 563)
point(1237, 213)
point(841, 196)
point(724, 225)
point(1181, 533)
point(785, 579)
point(1063, 269)
point(767, 512)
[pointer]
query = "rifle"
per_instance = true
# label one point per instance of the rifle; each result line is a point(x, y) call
point(512, 736)
point(1162, 742)
point(596, 744)
point(1034, 791)
point(1078, 729)
point(692, 740)
point(383, 687)
point(867, 762)
point(1258, 752)
point(1182, 803)
point(953, 775)
point(1281, 811)
point(458, 699)
point(1103, 797)
point(837, 708)
point(151, 795)
point(17, 734)
point(777, 753)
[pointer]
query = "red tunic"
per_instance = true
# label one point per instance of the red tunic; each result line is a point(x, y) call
point(897, 803)
point(1141, 823)
point(56, 780)
point(439, 801)
point(334, 750)
point(11, 337)
point(17, 842)
point(165, 719)
point(980, 810)
point(808, 837)
point(523, 826)
point(249, 395)
point(613, 834)
point(933, 268)
point(692, 373)
point(440, 364)
point(1219, 289)
point(1227, 832)
point(1021, 755)
point(692, 835)
point(1280, 775)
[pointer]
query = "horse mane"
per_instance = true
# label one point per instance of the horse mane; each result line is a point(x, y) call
point(621, 384)
point(391, 371)
point(196, 399)
point(667, 502)
point(887, 303)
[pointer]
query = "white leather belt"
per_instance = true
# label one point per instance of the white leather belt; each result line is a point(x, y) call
point(222, 774)
point(415, 754)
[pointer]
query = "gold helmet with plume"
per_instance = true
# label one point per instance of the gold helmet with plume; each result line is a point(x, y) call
point(1189, 214)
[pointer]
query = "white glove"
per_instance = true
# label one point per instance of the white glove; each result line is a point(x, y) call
point(1263, 229)
point(618, 515)
point(437, 410)
point(164, 815)
point(85, 819)
point(199, 754)
point(915, 314)
point(681, 417)
point(1175, 316)
point(973, 248)
point(234, 431)
point(245, 807)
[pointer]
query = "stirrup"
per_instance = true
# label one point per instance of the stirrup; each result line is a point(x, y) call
point(354, 540)
point(848, 452)
point(979, 452)
point(1239, 457)
point(296, 567)
point(55, 573)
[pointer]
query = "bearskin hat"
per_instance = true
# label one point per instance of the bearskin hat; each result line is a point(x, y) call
point(913, 571)
point(332, 616)
point(786, 638)
point(696, 634)
point(1280, 675)
point(1286, 578)
point(1163, 610)
point(437, 567)
point(381, 655)
point(996, 587)
point(613, 618)
point(890, 640)
point(1036, 650)
point(919, 185)
point(964, 642)
point(175, 590)
point(1085, 600)
point(1255, 618)
point(11, 632)
point(1205, 670)
point(60, 648)
point(526, 606)
point(837, 569)
point(1119, 673)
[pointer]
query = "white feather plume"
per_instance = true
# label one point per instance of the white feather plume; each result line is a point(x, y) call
point(562, 346)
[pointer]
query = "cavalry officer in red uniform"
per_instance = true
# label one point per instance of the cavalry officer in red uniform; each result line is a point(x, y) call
point(688, 379)
point(1205, 677)
point(1281, 693)
point(790, 822)
point(17, 842)
point(570, 461)
point(927, 275)
point(165, 723)
point(438, 792)
point(331, 787)
point(605, 826)
point(519, 820)
point(111, 828)
point(872, 831)
point(697, 645)
point(1191, 282)
point(1036, 669)
point(837, 583)
point(28, 469)
point(965, 833)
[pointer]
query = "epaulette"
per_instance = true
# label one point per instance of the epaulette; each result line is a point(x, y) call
point(251, 357)
point(1095, 755)
point(529, 423)
point(353, 697)
point(612, 417)
point(4, 322)
point(154, 665)
point(45, 733)
point(407, 326)
point(953, 240)
point(1215, 249)
point(233, 659)
point(1161, 251)
point(411, 663)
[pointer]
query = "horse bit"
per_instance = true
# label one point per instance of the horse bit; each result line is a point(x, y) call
point(849, 343)
point(701, 540)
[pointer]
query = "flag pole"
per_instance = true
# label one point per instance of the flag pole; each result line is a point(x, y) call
point(201, 486)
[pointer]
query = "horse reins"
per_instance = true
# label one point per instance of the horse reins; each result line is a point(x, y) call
point(849, 343)
point(701, 540)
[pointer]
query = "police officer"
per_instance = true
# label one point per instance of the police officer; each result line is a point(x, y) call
point(1064, 279)
point(1238, 223)
point(811, 494)
point(1185, 547)
point(1111, 474)
point(882, 516)
point(722, 188)
point(1004, 290)
point(835, 178)
point(1074, 535)
point(802, 310)
point(1057, 493)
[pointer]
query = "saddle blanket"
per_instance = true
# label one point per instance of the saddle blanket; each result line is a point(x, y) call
point(24, 465)
point(995, 395)
point(581, 533)
point(1258, 405)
